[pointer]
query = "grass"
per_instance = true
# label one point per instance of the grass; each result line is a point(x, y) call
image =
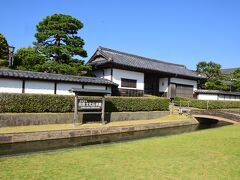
point(208, 154)
point(49, 127)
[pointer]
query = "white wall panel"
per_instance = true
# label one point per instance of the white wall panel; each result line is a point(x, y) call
point(39, 87)
point(43, 87)
point(107, 74)
point(99, 87)
point(98, 73)
point(10, 85)
point(103, 73)
point(218, 97)
point(221, 97)
point(63, 88)
point(118, 74)
point(163, 85)
point(208, 96)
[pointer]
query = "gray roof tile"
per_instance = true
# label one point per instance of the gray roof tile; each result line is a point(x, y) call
point(228, 71)
point(130, 60)
point(206, 91)
point(53, 77)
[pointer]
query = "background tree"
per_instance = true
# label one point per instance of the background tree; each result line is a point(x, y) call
point(235, 81)
point(212, 71)
point(57, 48)
point(57, 38)
point(3, 51)
point(28, 59)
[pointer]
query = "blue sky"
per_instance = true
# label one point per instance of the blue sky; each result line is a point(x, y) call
point(178, 31)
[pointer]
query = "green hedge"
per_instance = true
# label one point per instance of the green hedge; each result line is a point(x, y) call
point(119, 104)
point(202, 104)
point(58, 103)
point(35, 103)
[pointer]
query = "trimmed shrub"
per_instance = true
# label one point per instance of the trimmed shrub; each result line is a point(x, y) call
point(35, 103)
point(119, 104)
point(202, 104)
point(59, 103)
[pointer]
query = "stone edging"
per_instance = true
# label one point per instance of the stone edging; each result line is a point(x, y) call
point(59, 134)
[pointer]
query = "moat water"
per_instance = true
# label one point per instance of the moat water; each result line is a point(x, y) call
point(60, 144)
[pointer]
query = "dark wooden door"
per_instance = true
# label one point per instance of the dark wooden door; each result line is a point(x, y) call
point(184, 90)
point(172, 90)
point(151, 84)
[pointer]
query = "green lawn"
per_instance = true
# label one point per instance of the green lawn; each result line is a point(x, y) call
point(208, 154)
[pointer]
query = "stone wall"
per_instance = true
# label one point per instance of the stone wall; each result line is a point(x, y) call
point(25, 119)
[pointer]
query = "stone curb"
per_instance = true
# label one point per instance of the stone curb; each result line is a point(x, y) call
point(60, 134)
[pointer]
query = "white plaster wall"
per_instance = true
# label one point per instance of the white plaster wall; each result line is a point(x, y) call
point(208, 96)
point(63, 88)
point(218, 97)
point(221, 97)
point(234, 98)
point(98, 73)
point(163, 85)
point(118, 74)
point(99, 87)
point(43, 87)
point(185, 82)
point(107, 74)
point(39, 87)
point(10, 85)
point(227, 97)
point(109, 88)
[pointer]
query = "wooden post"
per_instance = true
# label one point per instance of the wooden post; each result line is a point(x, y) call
point(75, 109)
point(103, 110)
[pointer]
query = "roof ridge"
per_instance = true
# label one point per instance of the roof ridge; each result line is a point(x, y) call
point(231, 68)
point(134, 55)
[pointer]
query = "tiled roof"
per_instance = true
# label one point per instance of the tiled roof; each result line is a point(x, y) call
point(142, 63)
point(205, 91)
point(53, 77)
point(229, 70)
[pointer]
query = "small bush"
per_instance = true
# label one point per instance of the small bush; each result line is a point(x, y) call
point(59, 103)
point(202, 104)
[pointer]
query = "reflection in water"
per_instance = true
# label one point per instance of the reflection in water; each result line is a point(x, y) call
point(46, 145)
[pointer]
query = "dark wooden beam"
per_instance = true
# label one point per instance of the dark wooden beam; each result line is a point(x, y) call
point(111, 74)
point(23, 86)
point(55, 87)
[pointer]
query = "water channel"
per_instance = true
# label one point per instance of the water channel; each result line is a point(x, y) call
point(58, 144)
